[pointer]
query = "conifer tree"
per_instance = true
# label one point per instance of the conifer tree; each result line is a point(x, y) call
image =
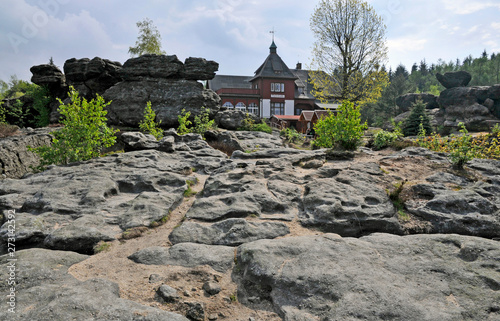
point(417, 116)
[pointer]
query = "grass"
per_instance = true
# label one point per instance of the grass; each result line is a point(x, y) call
point(395, 197)
point(189, 191)
point(102, 247)
point(7, 130)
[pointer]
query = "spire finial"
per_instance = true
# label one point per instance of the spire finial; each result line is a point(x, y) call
point(272, 32)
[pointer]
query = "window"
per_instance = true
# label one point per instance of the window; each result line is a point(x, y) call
point(253, 108)
point(241, 106)
point(228, 105)
point(277, 87)
point(277, 108)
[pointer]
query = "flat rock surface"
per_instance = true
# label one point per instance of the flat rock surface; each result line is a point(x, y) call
point(377, 277)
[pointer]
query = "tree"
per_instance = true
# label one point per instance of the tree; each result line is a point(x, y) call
point(84, 135)
point(349, 50)
point(418, 118)
point(148, 41)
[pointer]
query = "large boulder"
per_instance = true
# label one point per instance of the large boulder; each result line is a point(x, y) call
point(91, 77)
point(405, 102)
point(234, 119)
point(169, 97)
point(167, 83)
point(377, 277)
point(50, 76)
point(454, 79)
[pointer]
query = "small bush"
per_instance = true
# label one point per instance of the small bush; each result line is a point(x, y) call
point(184, 122)
point(149, 125)
point(41, 99)
point(416, 120)
point(84, 135)
point(292, 135)
point(250, 125)
point(202, 122)
point(384, 138)
point(344, 128)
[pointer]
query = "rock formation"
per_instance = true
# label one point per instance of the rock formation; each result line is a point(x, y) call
point(478, 108)
point(170, 85)
point(257, 241)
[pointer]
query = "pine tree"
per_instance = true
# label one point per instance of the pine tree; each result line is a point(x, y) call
point(418, 115)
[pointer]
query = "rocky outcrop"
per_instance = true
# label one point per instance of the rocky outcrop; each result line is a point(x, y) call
point(15, 159)
point(49, 76)
point(454, 79)
point(91, 77)
point(234, 119)
point(405, 102)
point(377, 277)
point(169, 84)
point(48, 292)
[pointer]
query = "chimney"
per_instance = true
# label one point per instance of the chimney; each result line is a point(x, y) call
point(299, 66)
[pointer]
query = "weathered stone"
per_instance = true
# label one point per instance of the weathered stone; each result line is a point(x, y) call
point(349, 204)
point(167, 293)
point(48, 75)
point(212, 288)
point(168, 98)
point(152, 67)
point(230, 232)
point(199, 69)
point(195, 311)
point(234, 119)
point(454, 79)
point(220, 258)
point(405, 102)
point(15, 159)
point(138, 141)
point(45, 291)
point(381, 276)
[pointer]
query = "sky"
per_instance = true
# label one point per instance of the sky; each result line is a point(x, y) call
point(234, 33)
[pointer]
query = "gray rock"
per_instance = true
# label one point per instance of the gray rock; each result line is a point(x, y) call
point(454, 79)
point(234, 119)
point(381, 276)
point(199, 69)
point(212, 288)
point(15, 159)
point(168, 98)
point(167, 293)
point(230, 232)
point(139, 141)
point(151, 66)
point(45, 291)
point(255, 141)
point(48, 75)
point(195, 311)
point(405, 102)
point(220, 258)
point(349, 204)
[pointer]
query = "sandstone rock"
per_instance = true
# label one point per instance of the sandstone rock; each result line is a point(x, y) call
point(152, 67)
point(406, 102)
point(167, 293)
point(50, 76)
point(195, 311)
point(230, 232)
point(454, 79)
point(199, 69)
point(168, 98)
point(349, 204)
point(45, 291)
point(138, 141)
point(234, 119)
point(212, 288)
point(220, 258)
point(255, 141)
point(381, 276)
point(15, 159)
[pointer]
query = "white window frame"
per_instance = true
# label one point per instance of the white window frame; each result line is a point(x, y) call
point(228, 105)
point(241, 106)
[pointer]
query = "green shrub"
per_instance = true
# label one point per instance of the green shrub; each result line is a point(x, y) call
point(462, 148)
point(384, 139)
point(202, 122)
point(250, 125)
point(291, 135)
point(41, 99)
point(149, 125)
point(84, 134)
point(184, 122)
point(2, 113)
point(344, 128)
point(417, 120)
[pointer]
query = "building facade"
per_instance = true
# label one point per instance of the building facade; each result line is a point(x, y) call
point(275, 89)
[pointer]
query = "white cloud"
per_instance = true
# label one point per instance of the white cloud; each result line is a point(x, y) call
point(465, 7)
point(406, 44)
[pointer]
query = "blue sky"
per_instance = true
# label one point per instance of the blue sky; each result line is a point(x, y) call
point(235, 33)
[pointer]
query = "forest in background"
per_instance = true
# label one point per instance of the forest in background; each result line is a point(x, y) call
point(421, 78)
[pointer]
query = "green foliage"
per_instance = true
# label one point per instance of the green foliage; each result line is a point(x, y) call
point(202, 122)
point(17, 113)
point(149, 125)
point(184, 122)
point(148, 41)
point(291, 135)
point(84, 134)
point(385, 139)
point(3, 113)
point(344, 128)
point(102, 247)
point(250, 125)
point(495, 130)
point(417, 118)
point(41, 99)
point(462, 148)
